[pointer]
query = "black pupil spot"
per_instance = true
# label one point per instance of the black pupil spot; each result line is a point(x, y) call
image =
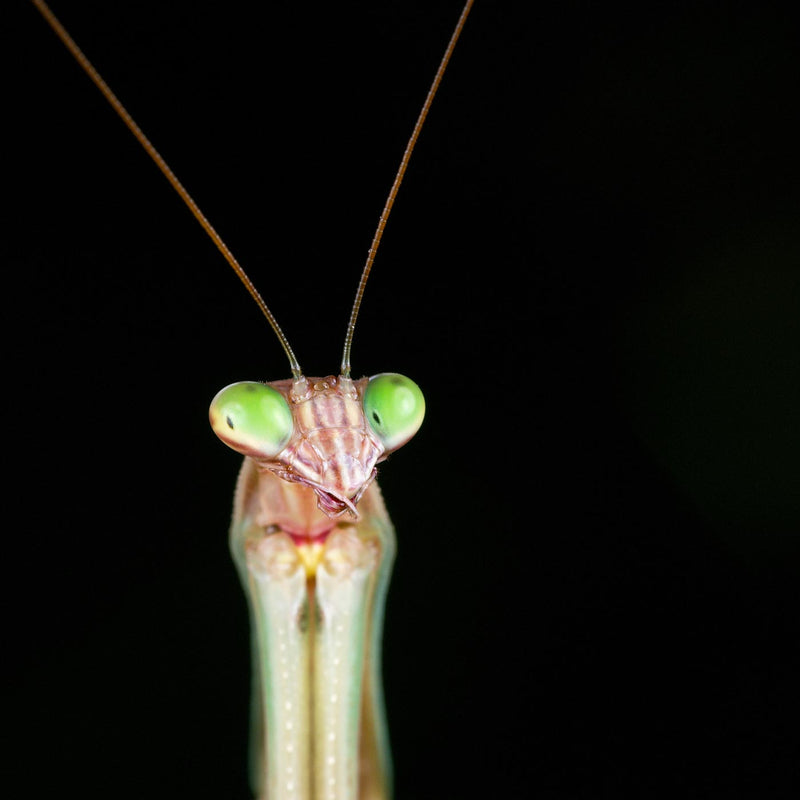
point(377, 417)
point(230, 422)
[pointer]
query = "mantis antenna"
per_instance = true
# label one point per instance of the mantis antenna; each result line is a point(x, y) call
point(114, 102)
point(398, 179)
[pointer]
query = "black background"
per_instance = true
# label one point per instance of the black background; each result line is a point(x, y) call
point(592, 270)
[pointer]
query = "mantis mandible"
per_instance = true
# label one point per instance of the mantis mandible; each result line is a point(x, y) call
point(310, 537)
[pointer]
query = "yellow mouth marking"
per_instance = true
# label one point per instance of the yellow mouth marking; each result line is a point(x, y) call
point(310, 554)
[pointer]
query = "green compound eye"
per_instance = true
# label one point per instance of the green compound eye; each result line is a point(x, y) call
point(394, 407)
point(252, 418)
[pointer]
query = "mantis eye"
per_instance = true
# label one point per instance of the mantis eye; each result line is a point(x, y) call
point(252, 418)
point(394, 408)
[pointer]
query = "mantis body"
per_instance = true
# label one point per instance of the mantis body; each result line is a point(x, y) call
point(311, 539)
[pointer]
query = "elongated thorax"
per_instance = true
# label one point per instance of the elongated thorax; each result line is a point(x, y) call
point(316, 607)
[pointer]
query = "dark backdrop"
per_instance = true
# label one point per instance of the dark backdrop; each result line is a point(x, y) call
point(592, 271)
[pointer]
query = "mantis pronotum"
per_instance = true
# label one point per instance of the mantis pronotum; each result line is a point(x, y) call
point(310, 536)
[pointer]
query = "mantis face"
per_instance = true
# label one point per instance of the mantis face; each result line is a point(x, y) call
point(324, 433)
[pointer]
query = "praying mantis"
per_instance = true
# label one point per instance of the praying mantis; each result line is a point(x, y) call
point(315, 585)
point(606, 643)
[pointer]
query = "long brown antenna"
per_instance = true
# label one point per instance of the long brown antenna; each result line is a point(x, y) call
point(398, 179)
point(98, 81)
